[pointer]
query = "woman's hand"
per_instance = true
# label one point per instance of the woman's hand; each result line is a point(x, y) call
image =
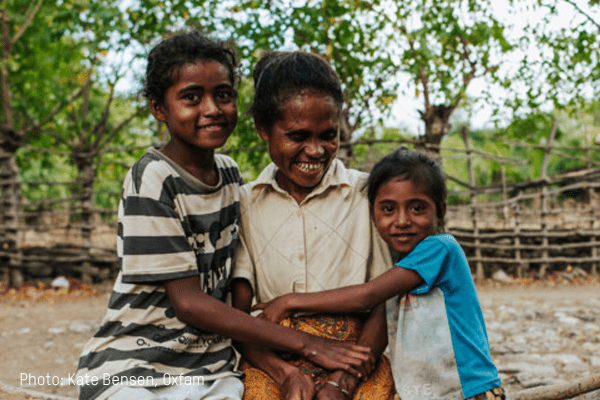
point(275, 310)
point(336, 355)
point(339, 385)
point(297, 386)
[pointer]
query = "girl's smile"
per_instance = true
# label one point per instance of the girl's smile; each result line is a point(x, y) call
point(303, 142)
point(404, 214)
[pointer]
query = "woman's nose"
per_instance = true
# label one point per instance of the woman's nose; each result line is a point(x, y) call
point(315, 149)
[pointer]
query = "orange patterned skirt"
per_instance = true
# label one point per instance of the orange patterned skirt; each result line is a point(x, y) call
point(379, 386)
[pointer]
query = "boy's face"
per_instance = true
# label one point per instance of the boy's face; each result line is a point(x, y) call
point(404, 214)
point(199, 107)
point(303, 142)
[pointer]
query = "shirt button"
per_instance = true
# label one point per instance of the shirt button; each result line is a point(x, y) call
point(301, 257)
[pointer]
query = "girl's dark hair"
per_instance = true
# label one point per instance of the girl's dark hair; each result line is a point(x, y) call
point(167, 58)
point(281, 75)
point(410, 165)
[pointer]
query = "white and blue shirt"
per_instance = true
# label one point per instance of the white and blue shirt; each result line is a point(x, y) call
point(440, 344)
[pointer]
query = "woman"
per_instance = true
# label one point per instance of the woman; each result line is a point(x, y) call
point(305, 227)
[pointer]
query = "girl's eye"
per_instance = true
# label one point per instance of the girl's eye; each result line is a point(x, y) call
point(418, 208)
point(387, 208)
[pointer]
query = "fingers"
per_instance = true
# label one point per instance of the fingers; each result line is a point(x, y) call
point(258, 306)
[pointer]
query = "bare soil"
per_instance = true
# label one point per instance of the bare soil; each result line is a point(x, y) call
point(42, 331)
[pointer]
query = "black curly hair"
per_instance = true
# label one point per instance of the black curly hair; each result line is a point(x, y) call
point(166, 59)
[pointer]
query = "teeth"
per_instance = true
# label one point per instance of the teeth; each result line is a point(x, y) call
point(309, 167)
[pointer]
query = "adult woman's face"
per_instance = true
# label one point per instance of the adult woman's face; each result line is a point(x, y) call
point(303, 142)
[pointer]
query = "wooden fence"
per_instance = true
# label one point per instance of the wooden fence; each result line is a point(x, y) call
point(545, 224)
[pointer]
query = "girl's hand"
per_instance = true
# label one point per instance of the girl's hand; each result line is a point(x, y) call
point(335, 355)
point(275, 310)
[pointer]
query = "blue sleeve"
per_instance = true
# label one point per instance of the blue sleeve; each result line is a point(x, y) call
point(427, 259)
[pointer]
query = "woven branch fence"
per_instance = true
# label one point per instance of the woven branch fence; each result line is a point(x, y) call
point(538, 226)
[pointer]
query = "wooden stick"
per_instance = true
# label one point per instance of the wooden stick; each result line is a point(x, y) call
point(559, 392)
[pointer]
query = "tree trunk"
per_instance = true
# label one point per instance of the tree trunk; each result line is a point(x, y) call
point(10, 198)
point(85, 166)
point(436, 127)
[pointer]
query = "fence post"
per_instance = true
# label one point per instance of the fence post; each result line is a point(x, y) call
point(479, 273)
point(517, 234)
point(590, 194)
point(544, 199)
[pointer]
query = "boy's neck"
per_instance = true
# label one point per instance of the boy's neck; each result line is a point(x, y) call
point(200, 163)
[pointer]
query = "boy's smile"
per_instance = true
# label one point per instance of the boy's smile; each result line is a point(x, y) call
point(199, 107)
point(404, 214)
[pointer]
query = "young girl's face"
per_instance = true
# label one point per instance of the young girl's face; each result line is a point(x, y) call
point(199, 107)
point(303, 142)
point(405, 214)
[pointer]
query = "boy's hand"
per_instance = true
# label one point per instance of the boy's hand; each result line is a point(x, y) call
point(335, 355)
point(275, 310)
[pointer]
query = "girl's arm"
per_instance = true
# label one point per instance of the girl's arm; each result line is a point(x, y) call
point(200, 310)
point(349, 299)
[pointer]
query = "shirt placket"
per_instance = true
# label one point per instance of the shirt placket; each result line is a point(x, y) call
point(299, 255)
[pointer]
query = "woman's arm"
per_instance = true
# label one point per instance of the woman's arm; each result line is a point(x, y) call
point(291, 382)
point(349, 299)
point(372, 335)
point(200, 310)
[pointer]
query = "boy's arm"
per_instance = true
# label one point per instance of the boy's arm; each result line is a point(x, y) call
point(349, 299)
point(200, 310)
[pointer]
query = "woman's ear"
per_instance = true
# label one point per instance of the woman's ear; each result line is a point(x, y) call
point(262, 132)
point(158, 110)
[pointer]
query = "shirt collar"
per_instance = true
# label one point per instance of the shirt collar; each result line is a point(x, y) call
point(336, 175)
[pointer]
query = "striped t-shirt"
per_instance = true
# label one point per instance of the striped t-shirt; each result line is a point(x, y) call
point(171, 225)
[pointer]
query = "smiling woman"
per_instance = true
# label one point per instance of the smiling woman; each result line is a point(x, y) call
point(304, 227)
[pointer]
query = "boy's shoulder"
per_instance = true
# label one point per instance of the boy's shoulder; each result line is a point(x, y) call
point(150, 161)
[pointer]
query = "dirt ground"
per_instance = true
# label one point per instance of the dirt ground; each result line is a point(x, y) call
point(42, 331)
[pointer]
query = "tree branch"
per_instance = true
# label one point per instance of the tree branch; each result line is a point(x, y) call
point(589, 18)
point(28, 20)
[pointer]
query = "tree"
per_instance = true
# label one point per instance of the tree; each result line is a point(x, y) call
point(447, 45)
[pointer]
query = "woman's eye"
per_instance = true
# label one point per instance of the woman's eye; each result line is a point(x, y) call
point(296, 136)
point(330, 135)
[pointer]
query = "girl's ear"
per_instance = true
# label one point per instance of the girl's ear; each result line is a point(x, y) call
point(158, 110)
point(442, 211)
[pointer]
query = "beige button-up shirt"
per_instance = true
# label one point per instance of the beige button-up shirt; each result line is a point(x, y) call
point(325, 242)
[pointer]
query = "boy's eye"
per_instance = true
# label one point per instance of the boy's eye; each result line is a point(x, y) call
point(191, 96)
point(225, 95)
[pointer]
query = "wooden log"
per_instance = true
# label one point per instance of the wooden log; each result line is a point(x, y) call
point(559, 392)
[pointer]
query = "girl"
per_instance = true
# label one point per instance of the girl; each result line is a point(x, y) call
point(305, 227)
point(441, 344)
point(167, 330)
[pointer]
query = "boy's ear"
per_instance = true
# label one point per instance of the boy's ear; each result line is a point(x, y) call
point(158, 110)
